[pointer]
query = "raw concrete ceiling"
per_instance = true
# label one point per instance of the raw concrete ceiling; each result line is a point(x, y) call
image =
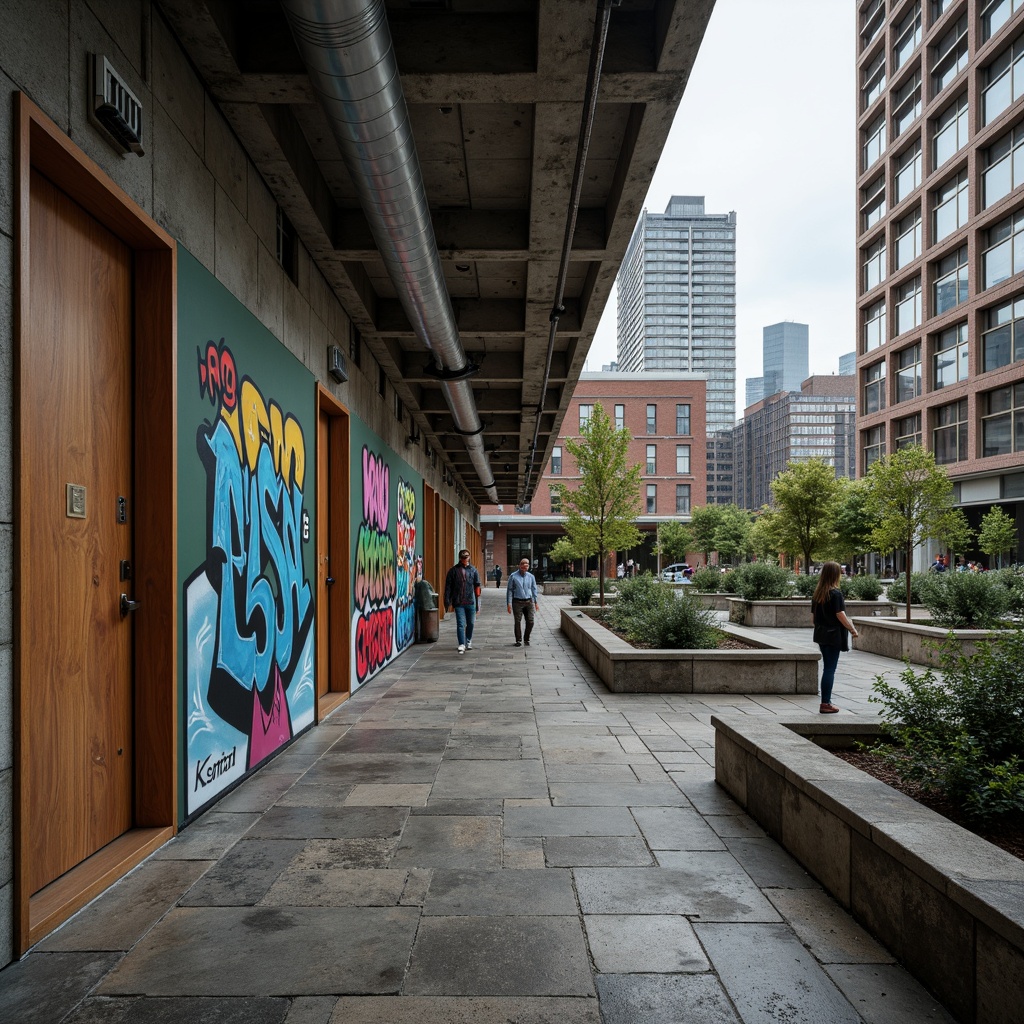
point(495, 91)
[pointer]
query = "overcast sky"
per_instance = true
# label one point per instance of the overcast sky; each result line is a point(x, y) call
point(766, 128)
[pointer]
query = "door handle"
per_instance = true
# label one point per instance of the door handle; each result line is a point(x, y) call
point(128, 606)
point(329, 581)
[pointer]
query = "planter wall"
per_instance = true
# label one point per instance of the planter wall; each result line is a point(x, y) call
point(948, 904)
point(892, 638)
point(714, 602)
point(625, 669)
point(556, 588)
point(794, 613)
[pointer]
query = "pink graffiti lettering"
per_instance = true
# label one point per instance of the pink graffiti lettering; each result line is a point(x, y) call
point(376, 478)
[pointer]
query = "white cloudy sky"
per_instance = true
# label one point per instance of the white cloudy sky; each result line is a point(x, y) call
point(766, 128)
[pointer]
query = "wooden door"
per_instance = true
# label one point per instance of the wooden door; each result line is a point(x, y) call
point(76, 356)
point(324, 580)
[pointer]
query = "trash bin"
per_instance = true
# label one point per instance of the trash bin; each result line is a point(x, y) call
point(426, 613)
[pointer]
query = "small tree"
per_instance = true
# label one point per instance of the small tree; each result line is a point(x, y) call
point(674, 540)
point(562, 551)
point(910, 500)
point(806, 500)
point(955, 532)
point(998, 533)
point(601, 512)
point(851, 524)
point(732, 537)
point(764, 540)
point(704, 521)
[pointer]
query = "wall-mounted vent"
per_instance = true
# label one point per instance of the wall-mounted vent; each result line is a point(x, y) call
point(114, 107)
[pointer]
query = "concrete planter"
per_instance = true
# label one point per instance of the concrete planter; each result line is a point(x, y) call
point(794, 612)
point(625, 669)
point(948, 904)
point(714, 602)
point(895, 638)
point(556, 588)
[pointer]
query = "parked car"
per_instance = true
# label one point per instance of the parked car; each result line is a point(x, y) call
point(678, 572)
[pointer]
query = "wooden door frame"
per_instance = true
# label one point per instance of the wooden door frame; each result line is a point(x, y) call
point(40, 145)
point(338, 530)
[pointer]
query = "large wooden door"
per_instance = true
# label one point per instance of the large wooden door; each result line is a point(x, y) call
point(76, 357)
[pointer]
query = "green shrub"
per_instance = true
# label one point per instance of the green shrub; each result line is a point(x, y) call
point(1012, 578)
point(634, 598)
point(728, 581)
point(805, 584)
point(707, 581)
point(682, 624)
point(897, 590)
point(865, 588)
point(583, 589)
point(761, 581)
point(964, 600)
point(961, 732)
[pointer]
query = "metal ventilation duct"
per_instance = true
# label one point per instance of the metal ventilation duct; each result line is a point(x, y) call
point(346, 47)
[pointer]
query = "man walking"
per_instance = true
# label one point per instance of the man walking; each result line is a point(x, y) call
point(521, 598)
point(462, 592)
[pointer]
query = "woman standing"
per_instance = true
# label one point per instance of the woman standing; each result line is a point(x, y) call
point(830, 628)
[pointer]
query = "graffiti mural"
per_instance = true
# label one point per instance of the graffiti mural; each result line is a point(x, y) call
point(248, 629)
point(405, 608)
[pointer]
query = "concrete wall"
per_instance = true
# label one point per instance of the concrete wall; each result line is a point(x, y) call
point(196, 181)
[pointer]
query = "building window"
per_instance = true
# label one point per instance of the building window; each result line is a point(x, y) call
point(556, 500)
point(874, 445)
point(995, 14)
point(682, 499)
point(1002, 421)
point(652, 459)
point(1004, 167)
point(872, 21)
point(355, 345)
point(908, 305)
point(908, 373)
point(620, 417)
point(907, 105)
point(950, 287)
point(949, 363)
point(908, 239)
point(874, 79)
point(950, 55)
point(908, 431)
point(586, 411)
point(950, 206)
point(682, 458)
point(1004, 254)
point(874, 141)
point(652, 419)
point(874, 264)
point(1002, 342)
point(287, 249)
point(1004, 81)
point(950, 130)
point(399, 408)
point(949, 438)
point(682, 419)
point(556, 460)
point(652, 497)
point(382, 381)
point(874, 326)
point(874, 388)
point(908, 36)
point(908, 172)
point(873, 206)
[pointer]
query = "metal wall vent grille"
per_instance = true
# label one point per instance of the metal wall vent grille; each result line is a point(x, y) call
point(115, 108)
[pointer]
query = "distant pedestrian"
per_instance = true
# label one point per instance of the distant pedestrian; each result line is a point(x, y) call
point(521, 598)
point(462, 592)
point(831, 627)
point(497, 576)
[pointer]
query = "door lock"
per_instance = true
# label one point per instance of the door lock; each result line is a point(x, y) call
point(128, 605)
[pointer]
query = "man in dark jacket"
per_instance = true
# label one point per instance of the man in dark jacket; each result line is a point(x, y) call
point(462, 592)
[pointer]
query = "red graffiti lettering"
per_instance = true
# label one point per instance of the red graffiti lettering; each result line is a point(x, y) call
point(218, 375)
point(374, 641)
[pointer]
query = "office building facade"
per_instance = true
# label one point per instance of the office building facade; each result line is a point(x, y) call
point(940, 353)
point(783, 360)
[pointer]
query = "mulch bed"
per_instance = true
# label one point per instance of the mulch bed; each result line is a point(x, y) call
point(725, 641)
point(1009, 836)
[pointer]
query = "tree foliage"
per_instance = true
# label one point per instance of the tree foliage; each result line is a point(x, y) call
point(601, 511)
point(562, 551)
point(998, 533)
point(764, 539)
point(674, 540)
point(806, 502)
point(851, 524)
point(732, 535)
point(909, 499)
point(704, 521)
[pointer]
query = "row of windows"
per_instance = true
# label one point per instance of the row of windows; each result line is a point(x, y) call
point(906, 35)
point(1002, 428)
point(682, 417)
point(651, 496)
point(682, 460)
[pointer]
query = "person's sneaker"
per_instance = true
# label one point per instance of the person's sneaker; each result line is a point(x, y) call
point(462, 648)
point(827, 709)
point(527, 642)
point(469, 645)
point(519, 643)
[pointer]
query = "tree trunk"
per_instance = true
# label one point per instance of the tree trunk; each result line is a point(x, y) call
point(600, 577)
point(910, 556)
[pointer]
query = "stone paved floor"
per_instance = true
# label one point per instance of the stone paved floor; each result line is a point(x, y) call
point(482, 838)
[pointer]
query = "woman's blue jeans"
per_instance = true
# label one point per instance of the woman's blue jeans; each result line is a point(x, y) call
point(465, 617)
point(829, 661)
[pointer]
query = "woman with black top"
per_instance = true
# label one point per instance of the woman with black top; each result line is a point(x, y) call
point(830, 628)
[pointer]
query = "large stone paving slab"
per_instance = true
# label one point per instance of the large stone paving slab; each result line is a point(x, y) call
point(710, 885)
point(657, 999)
point(450, 842)
point(469, 780)
point(771, 977)
point(886, 994)
point(356, 769)
point(269, 951)
point(360, 739)
point(330, 823)
point(524, 956)
point(182, 1011)
point(676, 828)
point(637, 794)
point(244, 874)
point(502, 893)
point(467, 1010)
point(44, 987)
point(337, 887)
point(648, 944)
point(596, 851)
point(569, 821)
